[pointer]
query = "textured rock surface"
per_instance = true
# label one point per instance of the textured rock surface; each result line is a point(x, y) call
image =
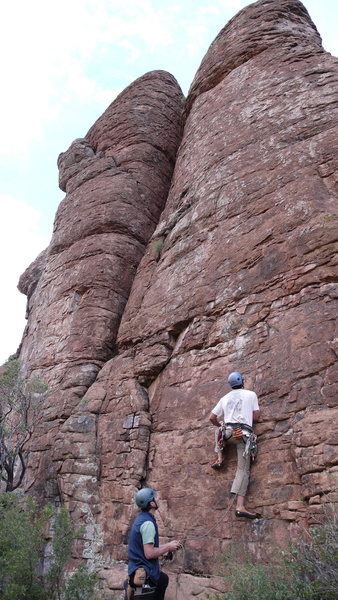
point(264, 25)
point(77, 290)
point(239, 274)
point(115, 192)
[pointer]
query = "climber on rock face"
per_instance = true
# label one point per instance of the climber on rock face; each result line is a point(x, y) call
point(145, 577)
point(238, 410)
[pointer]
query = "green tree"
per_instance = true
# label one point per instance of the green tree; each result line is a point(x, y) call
point(81, 585)
point(23, 553)
point(20, 402)
point(21, 547)
point(62, 538)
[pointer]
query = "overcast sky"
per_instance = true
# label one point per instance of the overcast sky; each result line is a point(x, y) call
point(63, 63)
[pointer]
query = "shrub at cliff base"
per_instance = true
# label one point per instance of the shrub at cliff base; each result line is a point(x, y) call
point(308, 570)
point(22, 548)
point(81, 586)
point(20, 405)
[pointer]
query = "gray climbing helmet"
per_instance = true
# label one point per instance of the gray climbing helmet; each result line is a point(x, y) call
point(144, 496)
point(235, 379)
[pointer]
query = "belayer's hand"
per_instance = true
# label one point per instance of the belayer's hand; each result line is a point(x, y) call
point(175, 545)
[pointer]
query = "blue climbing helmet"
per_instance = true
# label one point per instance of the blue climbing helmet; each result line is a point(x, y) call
point(235, 379)
point(144, 496)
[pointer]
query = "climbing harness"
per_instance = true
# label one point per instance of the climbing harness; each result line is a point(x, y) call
point(237, 431)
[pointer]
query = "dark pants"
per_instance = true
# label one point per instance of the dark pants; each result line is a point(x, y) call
point(160, 589)
point(161, 586)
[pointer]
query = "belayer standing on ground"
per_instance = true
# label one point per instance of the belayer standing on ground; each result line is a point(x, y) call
point(238, 410)
point(145, 577)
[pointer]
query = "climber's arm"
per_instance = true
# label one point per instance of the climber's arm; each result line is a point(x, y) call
point(255, 416)
point(214, 419)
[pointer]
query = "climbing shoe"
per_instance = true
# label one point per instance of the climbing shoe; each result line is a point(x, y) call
point(242, 513)
point(217, 465)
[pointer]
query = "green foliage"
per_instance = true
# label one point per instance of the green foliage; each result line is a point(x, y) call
point(22, 547)
point(314, 560)
point(81, 585)
point(307, 570)
point(20, 402)
point(264, 582)
point(63, 536)
point(12, 384)
point(157, 248)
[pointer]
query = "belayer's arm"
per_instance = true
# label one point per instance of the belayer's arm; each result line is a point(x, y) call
point(150, 552)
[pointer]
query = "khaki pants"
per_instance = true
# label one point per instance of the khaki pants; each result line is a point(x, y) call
point(241, 481)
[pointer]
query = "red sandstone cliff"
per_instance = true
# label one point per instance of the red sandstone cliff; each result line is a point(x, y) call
point(237, 272)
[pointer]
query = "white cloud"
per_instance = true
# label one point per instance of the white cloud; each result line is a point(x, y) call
point(48, 48)
point(20, 243)
point(83, 87)
point(55, 53)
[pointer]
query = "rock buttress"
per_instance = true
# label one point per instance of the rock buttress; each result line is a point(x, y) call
point(239, 275)
point(116, 181)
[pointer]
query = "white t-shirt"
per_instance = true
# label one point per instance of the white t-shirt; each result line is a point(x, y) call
point(237, 407)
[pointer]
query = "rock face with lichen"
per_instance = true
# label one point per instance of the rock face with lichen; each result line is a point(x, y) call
point(136, 316)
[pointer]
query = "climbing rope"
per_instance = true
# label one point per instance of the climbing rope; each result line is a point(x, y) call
point(171, 556)
point(250, 447)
